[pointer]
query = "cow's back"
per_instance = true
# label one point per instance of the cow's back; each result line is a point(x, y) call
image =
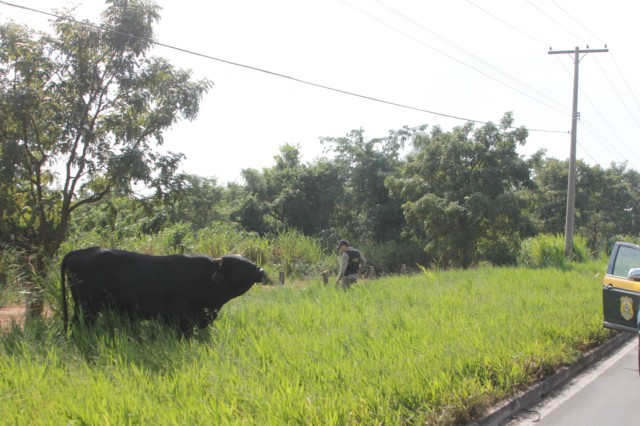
point(184, 289)
point(140, 284)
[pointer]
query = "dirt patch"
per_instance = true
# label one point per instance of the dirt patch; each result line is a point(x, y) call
point(10, 315)
point(15, 314)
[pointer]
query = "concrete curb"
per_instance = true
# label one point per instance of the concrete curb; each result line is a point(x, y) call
point(504, 411)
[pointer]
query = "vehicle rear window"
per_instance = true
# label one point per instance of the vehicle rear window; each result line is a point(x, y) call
point(627, 258)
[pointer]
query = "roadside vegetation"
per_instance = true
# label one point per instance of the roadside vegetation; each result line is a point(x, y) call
point(437, 346)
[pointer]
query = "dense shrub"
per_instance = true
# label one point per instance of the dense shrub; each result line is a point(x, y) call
point(546, 250)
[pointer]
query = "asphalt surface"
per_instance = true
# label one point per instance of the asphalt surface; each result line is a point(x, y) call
point(603, 388)
point(608, 393)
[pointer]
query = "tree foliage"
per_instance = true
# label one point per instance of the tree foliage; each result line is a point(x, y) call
point(291, 194)
point(461, 193)
point(606, 200)
point(367, 212)
point(81, 110)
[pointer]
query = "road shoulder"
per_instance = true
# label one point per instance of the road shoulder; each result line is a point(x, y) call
point(522, 403)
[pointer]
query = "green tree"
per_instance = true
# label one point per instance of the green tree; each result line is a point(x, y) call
point(461, 193)
point(199, 202)
point(550, 195)
point(323, 190)
point(629, 224)
point(80, 113)
point(593, 187)
point(247, 205)
point(291, 195)
point(114, 218)
point(368, 212)
point(606, 200)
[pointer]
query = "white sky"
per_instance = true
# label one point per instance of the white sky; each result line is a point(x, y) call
point(475, 59)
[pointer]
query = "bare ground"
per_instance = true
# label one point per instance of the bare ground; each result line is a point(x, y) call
point(14, 314)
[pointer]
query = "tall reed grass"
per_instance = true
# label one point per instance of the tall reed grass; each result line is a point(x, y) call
point(546, 250)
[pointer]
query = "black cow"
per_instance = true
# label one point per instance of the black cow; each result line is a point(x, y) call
point(182, 290)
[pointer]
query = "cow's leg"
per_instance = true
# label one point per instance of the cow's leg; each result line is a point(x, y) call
point(179, 323)
point(185, 325)
point(206, 317)
point(85, 314)
point(85, 310)
point(202, 322)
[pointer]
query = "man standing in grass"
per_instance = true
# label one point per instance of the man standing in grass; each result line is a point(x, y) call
point(350, 261)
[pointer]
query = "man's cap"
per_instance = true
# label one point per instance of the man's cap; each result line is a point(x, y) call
point(342, 243)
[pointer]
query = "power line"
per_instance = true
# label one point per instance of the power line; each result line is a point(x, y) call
point(603, 141)
point(272, 73)
point(587, 152)
point(625, 81)
point(617, 93)
point(469, 53)
point(597, 61)
point(513, 27)
point(585, 28)
point(604, 120)
point(454, 58)
point(553, 20)
point(575, 20)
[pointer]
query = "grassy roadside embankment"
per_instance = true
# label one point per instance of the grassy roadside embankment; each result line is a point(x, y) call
point(436, 348)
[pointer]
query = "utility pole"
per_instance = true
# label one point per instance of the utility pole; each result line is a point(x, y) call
point(571, 184)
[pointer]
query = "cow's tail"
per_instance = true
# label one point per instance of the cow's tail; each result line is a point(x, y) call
point(63, 289)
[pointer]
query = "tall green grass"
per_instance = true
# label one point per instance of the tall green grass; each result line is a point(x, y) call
point(546, 250)
point(13, 275)
point(435, 348)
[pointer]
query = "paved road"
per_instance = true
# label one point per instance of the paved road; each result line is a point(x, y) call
point(607, 394)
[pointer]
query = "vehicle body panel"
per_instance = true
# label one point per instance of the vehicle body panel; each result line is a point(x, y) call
point(621, 288)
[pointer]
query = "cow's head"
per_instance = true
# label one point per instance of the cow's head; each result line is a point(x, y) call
point(237, 272)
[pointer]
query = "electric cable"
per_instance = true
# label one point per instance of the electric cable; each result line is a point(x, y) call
point(617, 93)
point(611, 54)
point(625, 81)
point(553, 20)
point(604, 120)
point(275, 74)
point(576, 21)
point(513, 27)
point(592, 130)
point(419, 25)
point(456, 59)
